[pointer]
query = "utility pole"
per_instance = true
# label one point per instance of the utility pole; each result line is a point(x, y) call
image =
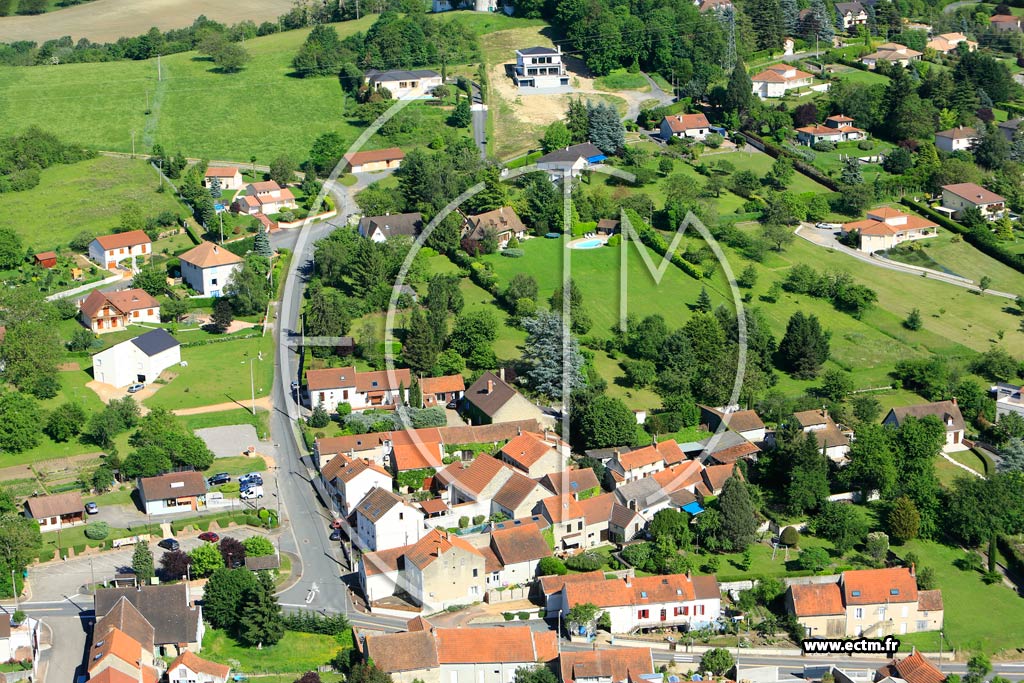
point(252, 386)
point(14, 591)
point(159, 70)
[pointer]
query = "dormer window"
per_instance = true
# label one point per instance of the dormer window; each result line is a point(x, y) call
point(894, 591)
point(855, 594)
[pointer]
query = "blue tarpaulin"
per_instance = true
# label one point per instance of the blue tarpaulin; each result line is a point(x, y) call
point(693, 508)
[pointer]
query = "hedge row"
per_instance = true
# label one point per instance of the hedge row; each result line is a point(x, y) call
point(653, 240)
point(981, 238)
point(1014, 556)
point(218, 340)
point(799, 164)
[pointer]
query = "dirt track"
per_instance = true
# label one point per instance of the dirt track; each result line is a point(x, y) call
point(108, 20)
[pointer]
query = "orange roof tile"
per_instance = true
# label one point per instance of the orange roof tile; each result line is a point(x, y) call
point(119, 644)
point(878, 586)
point(817, 600)
point(976, 194)
point(636, 591)
point(679, 123)
point(485, 645)
point(913, 668)
point(550, 585)
point(477, 475)
point(112, 675)
point(221, 171)
point(618, 664)
point(389, 154)
point(416, 456)
point(526, 449)
point(641, 457)
point(681, 476)
point(442, 385)
point(132, 238)
point(199, 665)
point(519, 544)
point(435, 543)
point(208, 255)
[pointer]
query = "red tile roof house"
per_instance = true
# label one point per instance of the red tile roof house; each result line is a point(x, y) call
point(536, 454)
point(459, 655)
point(350, 480)
point(643, 462)
point(777, 80)
point(893, 53)
point(58, 511)
point(230, 178)
point(513, 554)
point(866, 602)
point(436, 572)
point(961, 196)
point(109, 251)
point(947, 412)
point(270, 197)
point(836, 129)
point(956, 139)
point(374, 160)
point(440, 391)
point(623, 665)
point(384, 521)
point(361, 390)
point(886, 228)
point(914, 668)
point(191, 668)
point(105, 312)
point(830, 438)
point(694, 126)
point(503, 221)
point(1005, 22)
point(640, 603)
point(577, 525)
point(490, 484)
point(173, 492)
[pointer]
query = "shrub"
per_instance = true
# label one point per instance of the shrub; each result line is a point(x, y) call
point(479, 519)
point(513, 253)
point(585, 562)
point(714, 140)
point(508, 616)
point(823, 146)
point(463, 522)
point(551, 565)
point(865, 145)
point(523, 616)
point(97, 531)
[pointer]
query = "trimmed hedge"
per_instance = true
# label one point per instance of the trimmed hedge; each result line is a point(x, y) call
point(798, 163)
point(653, 240)
point(980, 238)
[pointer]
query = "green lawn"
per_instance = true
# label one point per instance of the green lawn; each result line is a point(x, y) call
point(759, 163)
point(620, 79)
point(611, 371)
point(508, 345)
point(949, 253)
point(218, 373)
point(965, 597)
point(596, 272)
point(86, 196)
point(295, 653)
point(261, 110)
point(226, 418)
point(858, 76)
point(238, 464)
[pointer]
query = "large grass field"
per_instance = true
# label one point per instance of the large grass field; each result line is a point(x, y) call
point(965, 597)
point(949, 253)
point(597, 273)
point(218, 373)
point(86, 196)
point(263, 110)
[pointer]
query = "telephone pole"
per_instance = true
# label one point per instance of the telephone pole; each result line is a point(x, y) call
point(159, 70)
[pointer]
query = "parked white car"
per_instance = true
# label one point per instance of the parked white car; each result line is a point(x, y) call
point(251, 493)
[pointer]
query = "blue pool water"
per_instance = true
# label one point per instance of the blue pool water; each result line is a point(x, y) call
point(588, 244)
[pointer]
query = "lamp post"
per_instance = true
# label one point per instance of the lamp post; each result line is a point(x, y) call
point(252, 384)
point(14, 590)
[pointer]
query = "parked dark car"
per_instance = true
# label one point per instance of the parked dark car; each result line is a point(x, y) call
point(92, 508)
point(218, 479)
point(452, 405)
point(336, 535)
point(169, 544)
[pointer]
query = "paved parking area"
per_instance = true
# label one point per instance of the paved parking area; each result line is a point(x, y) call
point(59, 580)
point(226, 442)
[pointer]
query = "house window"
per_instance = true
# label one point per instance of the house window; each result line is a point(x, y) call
point(135, 314)
point(881, 611)
point(858, 613)
point(686, 610)
point(579, 526)
point(344, 394)
point(678, 611)
point(122, 250)
point(149, 311)
point(568, 528)
point(213, 282)
point(903, 611)
point(475, 572)
point(643, 614)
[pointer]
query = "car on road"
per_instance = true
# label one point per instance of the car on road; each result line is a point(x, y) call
point(295, 384)
point(92, 508)
point(169, 544)
point(336, 535)
point(247, 480)
point(135, 388)
point(209, 537)
point(251, 493)
point(829, 226)
point(218, 479)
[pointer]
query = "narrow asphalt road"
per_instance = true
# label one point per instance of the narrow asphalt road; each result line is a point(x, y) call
point(480, 128)
point(826, 239)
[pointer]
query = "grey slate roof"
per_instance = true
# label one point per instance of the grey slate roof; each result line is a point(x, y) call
point(538, 51)
point(571, 154)
point(165, 607)
point(376, 503)
point(375, 76)
point(394, 224)
point(155, 342)
point(642, 492)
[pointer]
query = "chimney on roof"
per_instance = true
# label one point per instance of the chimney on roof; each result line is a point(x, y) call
point(215, 249)
point(519, 431)
point(490, 386)
point(501, 373)
point(913, 569)
point(629, 581)
point(953, 400)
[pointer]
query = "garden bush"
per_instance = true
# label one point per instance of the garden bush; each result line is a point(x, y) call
point(513, 253)
point(523, 616)
point(865, 145)
point(508, 616)
point(97, 531)
point(585, 562)
point(823, 146)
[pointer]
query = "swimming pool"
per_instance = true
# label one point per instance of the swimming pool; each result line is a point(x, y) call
point(588, 244)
